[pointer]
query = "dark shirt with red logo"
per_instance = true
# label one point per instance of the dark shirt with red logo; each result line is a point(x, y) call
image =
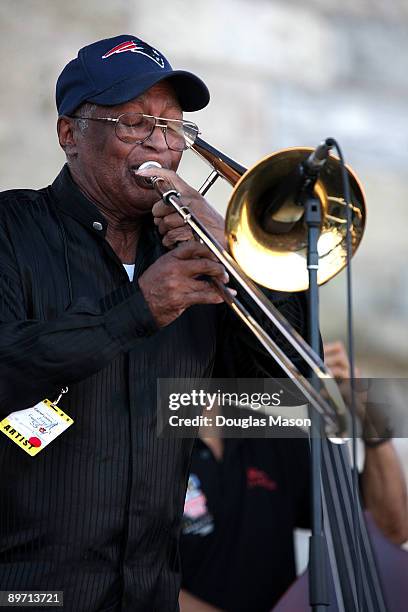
point(239, 515)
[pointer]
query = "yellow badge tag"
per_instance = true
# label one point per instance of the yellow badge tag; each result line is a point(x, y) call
point(34, 428)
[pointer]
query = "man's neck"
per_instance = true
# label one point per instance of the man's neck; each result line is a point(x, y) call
point(123, 238)
point(122, 232)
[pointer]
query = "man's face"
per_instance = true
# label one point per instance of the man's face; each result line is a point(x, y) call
point(104, 165)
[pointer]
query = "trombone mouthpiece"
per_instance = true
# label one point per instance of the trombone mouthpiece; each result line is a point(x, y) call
point(149, 164)
point(149, 180)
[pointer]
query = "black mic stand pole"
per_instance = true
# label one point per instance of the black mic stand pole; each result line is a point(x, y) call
point(318, 556)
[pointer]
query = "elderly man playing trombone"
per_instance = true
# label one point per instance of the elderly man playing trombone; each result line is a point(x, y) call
point(96, 303)
point(98, 300)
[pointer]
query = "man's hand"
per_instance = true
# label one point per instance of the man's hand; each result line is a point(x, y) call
point(170, 285)
point(170, 224)
point(336, 359)
point(374, 421)
point(383, 482)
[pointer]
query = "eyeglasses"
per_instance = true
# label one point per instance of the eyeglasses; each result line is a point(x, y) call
point(136, 128)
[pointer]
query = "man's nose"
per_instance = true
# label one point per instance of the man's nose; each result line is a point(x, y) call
point(157, 138)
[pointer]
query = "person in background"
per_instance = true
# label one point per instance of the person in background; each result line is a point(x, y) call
point(382, 480)
point(244, 499)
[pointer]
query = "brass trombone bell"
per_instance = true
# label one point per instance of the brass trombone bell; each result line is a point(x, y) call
point(267, 242)
point(277, 257)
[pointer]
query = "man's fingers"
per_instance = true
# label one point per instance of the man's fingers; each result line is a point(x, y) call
point(166, 224)
point(336, 360)
point(161, 209)
point(206, 295)
point(338, 367)
point(198, 267)
point(191, 249)
point(171, 177)
point(334, 348)
point(180, 234)
point(339, 372)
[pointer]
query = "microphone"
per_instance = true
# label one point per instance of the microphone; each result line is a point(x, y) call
point(283, 207)
point(317, 159)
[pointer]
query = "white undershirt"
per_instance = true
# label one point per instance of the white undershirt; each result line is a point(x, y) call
point(130, 269)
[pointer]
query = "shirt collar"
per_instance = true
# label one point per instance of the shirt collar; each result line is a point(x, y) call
point(73, 202)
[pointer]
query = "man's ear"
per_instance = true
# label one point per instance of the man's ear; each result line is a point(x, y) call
point(67, 135)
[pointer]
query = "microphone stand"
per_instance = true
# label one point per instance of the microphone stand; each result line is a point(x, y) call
point(318, 555)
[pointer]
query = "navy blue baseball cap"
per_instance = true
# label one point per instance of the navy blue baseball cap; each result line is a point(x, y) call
point(116, 70)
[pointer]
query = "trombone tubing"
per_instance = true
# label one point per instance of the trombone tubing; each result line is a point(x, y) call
point(334, 418)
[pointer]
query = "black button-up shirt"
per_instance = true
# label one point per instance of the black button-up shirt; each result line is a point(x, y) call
point(97, 513)
point(240, 512)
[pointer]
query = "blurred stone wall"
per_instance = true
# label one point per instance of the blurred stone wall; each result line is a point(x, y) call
point(281, 73)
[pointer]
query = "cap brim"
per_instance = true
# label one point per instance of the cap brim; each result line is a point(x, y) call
point(192, 93)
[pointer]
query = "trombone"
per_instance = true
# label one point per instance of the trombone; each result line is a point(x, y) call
point(276, 258)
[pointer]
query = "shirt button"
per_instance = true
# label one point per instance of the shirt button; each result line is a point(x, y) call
point(98, 226)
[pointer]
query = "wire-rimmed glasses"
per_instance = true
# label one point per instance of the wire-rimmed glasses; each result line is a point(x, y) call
point(135, 128)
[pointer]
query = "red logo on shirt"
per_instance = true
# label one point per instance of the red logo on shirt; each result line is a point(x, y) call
point(258, 478)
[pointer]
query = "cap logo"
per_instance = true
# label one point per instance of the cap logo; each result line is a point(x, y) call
point(134, 47)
